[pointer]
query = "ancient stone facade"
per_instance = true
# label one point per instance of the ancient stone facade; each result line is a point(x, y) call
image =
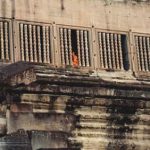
point(74, 74)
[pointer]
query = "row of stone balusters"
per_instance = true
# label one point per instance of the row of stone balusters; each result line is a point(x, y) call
point(83, 51)
point(143, 52)
point(110, 50)
point(4, 41)
point(35, 43)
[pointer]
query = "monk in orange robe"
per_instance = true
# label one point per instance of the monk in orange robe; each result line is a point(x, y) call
point(75, 59)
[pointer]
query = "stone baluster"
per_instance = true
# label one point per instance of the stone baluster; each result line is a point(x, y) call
point(112, 51)
point(138, 53)
point(148, 51)
point(101, 49)
point(30, 43)
point(108, 51)
point(34, 44)
point(120, 52)
point(6, 41)
point(2, 40)
point(26, 42)
point(116, 51)
point(22, 43)
point(39, 43)
point(44, 46)
point(86, 48)
point(66, 46)
point(105, 51)
point(78, 46)
point(62, 46)
point(48, 44)
point(145, 53)
point(141, 53)
point(82, 48)
point(70, 46)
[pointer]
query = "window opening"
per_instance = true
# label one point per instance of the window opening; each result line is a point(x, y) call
point(4, 41)
point(35, 43)
point(74, 45)
point(142, 44)
point(113, 51)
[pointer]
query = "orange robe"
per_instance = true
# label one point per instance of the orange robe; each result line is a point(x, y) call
point(75, 60)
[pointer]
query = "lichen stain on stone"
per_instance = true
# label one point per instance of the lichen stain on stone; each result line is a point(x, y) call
point(62, 4)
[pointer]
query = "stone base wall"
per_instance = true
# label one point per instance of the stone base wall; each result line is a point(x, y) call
point(73, 112)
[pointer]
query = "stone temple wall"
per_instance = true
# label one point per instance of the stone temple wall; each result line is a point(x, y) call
point(116, 15)
point(69, 109)
point(129, 18)
point(50, 105)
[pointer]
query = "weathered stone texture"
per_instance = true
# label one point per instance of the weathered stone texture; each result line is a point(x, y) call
point(46, 107)
point(89, 114)
point(104, 14)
